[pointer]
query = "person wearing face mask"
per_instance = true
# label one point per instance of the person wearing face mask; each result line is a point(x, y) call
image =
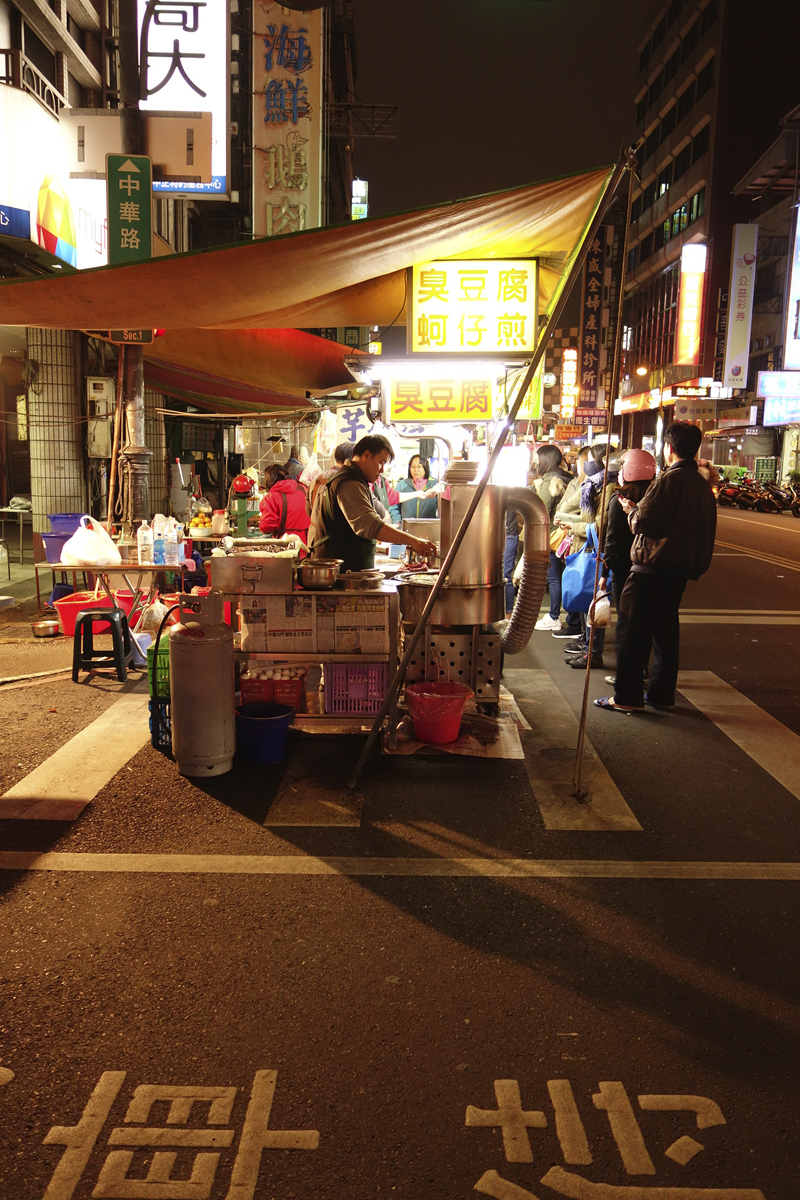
point(418, 492)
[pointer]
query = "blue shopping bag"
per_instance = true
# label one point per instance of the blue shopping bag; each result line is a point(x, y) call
point(577, 582)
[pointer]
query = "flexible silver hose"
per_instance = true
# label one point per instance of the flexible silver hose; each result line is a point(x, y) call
point(515, 635)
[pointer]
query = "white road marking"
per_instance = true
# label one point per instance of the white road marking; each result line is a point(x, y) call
point(613, 1100)
point(549, 764)
point(735, 619)
point(788, 564)
point(573, 1186)
point(762, 737)
point(511, 1118)
point(785, 526)
point(65, 783)
point(453, 868)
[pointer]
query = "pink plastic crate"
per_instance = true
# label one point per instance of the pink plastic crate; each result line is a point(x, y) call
point(355, 687)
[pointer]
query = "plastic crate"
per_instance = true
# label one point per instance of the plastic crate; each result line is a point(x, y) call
point(162, 740)
point(355, 687)
point(257, 691)
point(289, 691)
point(161, 688)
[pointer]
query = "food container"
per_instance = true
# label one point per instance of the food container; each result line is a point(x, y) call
point(318, 574)
point(360, 581)
point(219, 523)
point(45, 628)
point(251, 574)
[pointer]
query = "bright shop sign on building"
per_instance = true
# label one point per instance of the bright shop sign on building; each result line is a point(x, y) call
point(455, 397)
point(690, 305)
point(477, 306)
point(791, 341)
point(569, 384)
point(184, 60)
point(287, 120)
point(740, 305)
point(780, 391)
point(592, 322)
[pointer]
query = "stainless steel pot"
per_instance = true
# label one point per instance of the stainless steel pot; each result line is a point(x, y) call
point(360, 581)
point(430, 530)
point(318, 573)
point(45, 628)
point(455, 605)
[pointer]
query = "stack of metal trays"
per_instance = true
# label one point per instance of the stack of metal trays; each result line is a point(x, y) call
point(459, 471)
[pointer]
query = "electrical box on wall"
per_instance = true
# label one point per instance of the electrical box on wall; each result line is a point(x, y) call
point(100, 397)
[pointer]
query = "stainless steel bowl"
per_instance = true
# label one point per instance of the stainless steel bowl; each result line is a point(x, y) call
point(45, 628)
point(318, 573)
point(360, 581)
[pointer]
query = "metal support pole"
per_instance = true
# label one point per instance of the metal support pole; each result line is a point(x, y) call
point(455, 545)
point(133, 142)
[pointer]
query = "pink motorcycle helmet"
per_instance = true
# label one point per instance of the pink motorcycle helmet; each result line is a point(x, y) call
point(638, 464)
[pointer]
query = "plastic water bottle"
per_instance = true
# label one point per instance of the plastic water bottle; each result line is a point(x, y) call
point(171, 544)
point(144, 539)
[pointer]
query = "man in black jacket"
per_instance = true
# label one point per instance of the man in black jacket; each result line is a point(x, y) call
point(674, 526)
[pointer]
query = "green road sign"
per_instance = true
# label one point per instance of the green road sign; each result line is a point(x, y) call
point(130, 337)
point(129, 186)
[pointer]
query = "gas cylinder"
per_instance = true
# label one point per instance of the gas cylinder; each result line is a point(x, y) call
point(201, 688)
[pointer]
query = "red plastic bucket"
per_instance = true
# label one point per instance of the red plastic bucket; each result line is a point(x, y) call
point(436, 710)
point(70, 606)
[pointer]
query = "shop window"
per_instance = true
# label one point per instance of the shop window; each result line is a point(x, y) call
point(690, 41)
point(705, 79)
point(75, 32)
point(644, 57)
point(674, 12)
point(646, 248)
point(700, 143)
point(668, 123)
point(641, 109)
point(659, 33)
point(660, 235)
point(652, 143)
point(685, 102)
point(682, 162)
point(636, 209)
point(708, 17)
point(22, 418)
point(680, 219)
point(633, 258)
point(665, 180)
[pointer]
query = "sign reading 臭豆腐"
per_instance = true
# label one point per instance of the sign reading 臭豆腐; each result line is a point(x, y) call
point(480, 306)
point(415, 396)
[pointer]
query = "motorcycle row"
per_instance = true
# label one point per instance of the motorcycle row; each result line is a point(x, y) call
point(759, 497)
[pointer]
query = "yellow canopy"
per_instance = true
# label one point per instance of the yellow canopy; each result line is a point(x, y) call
point(346, 275)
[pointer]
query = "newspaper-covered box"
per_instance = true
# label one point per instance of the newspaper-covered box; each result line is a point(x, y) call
point(316, 623)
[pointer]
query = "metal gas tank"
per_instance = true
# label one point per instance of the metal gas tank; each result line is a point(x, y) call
point(202, 688)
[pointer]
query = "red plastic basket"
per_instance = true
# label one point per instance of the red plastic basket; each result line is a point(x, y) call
point(355, 688)
point(257, 691)
point(290, 691)
point(70, 606)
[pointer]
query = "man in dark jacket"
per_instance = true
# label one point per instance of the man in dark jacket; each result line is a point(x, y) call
point(673, 541)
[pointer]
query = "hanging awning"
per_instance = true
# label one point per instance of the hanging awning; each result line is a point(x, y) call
point(354, 274)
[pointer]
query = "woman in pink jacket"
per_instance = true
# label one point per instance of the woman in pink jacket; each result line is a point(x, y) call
point(283, 509)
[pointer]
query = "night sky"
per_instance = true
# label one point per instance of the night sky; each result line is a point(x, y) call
point(493, 93)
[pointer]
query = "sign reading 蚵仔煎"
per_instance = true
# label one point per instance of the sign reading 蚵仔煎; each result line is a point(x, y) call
point(479, 306)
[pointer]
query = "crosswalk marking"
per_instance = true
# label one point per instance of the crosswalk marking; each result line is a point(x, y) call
point(761, 736)
point(453, 868)
point(549, 763)
point(68, 780)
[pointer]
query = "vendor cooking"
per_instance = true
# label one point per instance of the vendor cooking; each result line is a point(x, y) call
point(349, 527)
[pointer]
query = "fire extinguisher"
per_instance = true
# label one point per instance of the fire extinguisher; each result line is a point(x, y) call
point(201, 687)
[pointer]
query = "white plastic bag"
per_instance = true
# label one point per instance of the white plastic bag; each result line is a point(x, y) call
point(600, 611)
point(90, 545)
point(152, 617)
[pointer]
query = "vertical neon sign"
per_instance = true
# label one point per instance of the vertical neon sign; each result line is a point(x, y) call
point(690, 305)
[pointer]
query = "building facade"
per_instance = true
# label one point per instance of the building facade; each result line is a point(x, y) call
point(712, 85)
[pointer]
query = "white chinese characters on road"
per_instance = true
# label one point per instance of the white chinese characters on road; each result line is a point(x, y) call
point(165, 1142)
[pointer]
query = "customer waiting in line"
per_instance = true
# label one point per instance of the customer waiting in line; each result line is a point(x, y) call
point(550, 486)
point(580, 507)
point(637, 472)
point(673, 527)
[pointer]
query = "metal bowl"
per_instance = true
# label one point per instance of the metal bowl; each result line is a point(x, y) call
point(360, 581)
point(45, 628)
point(318, 573)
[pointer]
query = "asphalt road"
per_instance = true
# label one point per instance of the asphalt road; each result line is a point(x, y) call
point(623, 1004)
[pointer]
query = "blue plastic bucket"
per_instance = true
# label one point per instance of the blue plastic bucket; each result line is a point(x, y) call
point(54, 543)
point(67, 523)
point(262, 731)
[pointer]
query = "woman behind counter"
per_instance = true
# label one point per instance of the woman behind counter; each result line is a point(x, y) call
point(283, 509)
point(413, 503)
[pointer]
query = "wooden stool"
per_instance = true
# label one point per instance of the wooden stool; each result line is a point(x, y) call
point(85, 657)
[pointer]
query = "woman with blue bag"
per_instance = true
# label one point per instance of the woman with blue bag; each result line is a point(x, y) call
point(585, 496)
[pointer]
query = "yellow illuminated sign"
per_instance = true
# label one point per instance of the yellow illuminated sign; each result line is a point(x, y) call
point(569, 384)
point(454, 398)
point(477, 306)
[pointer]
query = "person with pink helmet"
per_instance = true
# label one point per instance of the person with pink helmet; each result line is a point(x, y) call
point(637, 472)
